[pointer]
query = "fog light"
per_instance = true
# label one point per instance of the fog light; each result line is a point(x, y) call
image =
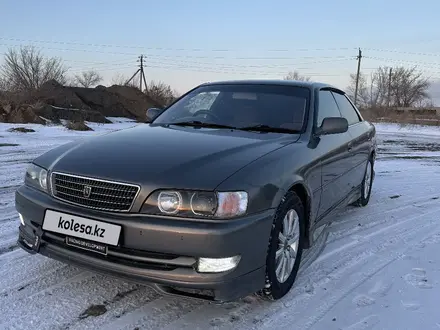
point(21, 219)
point(217, 265)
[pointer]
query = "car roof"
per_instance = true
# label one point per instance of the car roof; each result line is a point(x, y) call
point(308, 84)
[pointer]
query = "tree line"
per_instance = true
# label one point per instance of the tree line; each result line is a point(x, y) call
point(386, 87)
point(25, 69)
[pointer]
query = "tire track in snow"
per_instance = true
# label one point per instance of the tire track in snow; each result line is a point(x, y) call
point(326, 268)
point(155, 315)
point(127, 301)
point(51, 287)
point(66, 300)
point(387, 205)
point(343, 286)
point(342, 282)
point(48, 280)
point(337, 233)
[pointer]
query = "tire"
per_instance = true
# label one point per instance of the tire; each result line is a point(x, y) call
point(367, 184)
point(278, 286)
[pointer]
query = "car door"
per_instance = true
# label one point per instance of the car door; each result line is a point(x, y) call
point(334, 156)
point(360, 134)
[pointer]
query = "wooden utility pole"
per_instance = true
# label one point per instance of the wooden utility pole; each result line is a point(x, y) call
point(389, 87)
point(141, 73)
point(359, 57)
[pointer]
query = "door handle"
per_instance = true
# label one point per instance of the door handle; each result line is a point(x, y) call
point(350, 147)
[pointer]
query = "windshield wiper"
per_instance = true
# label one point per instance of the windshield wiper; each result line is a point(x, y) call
point(257, 128)
point(197, 123)
point(267, 128)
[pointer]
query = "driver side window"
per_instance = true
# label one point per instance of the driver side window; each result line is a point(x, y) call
point(202, 101)
point(327, 107)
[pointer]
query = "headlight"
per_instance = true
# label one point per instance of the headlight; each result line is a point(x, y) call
point(169, 202)
point(199, 204)
point(36, 176)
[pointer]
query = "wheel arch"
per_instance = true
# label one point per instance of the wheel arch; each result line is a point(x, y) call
point(304, 193)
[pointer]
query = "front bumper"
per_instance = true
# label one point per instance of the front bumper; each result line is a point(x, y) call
point(160, 250)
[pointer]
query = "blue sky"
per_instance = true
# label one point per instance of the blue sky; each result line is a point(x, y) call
point(189, 42)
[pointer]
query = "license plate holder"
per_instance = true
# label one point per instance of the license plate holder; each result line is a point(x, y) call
point(87, 245)
point(86, 229)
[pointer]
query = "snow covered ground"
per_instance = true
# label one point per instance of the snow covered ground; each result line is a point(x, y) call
point(376, 267)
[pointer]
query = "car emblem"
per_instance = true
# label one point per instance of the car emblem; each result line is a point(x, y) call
point(87, 191)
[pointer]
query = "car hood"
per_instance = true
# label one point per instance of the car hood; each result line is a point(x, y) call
point(164, 157)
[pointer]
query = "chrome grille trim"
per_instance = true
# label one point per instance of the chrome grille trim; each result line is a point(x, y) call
point(123, 194)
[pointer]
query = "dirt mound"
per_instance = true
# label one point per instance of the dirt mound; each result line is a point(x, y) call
point(53, 93)
point(108, 103)
point(78, 126)
point(135, 99)
point(23, 114)
point(116, 101)
point(21, 130)
point(54, 114)
point(77, 103)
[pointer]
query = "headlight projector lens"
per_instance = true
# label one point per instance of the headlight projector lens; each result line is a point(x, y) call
point(203, 203)
point(169, 202)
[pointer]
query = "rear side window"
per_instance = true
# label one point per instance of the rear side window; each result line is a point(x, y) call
point(327, 107)
point(347, 110)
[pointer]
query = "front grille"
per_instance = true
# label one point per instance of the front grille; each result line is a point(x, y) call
point(94, 193)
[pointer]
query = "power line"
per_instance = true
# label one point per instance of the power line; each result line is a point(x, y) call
point(293, 65)
point(208, 50)
point(401, 52)
point(247, 58)
point(90, 62)
point(92, 66)
point(164, 56)
point(101, 69)
point(208, 66)
point(168, 48)
point(428, 64)
point(168, 62)
point(236, 72)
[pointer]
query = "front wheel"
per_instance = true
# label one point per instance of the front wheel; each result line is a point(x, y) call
point(367, 184)
point(285, 248)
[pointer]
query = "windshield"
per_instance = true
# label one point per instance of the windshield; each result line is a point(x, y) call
point(240, 106)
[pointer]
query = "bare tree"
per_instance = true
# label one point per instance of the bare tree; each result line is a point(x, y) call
point(88, 78)
point(26, 69)
point(295, 75)
point(405, 87)
point(121, 80)
point(3, 84)
point(161, 93)
point(408, 87)
point(364, 95)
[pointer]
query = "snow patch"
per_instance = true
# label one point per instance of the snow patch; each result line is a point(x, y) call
point(375, 267)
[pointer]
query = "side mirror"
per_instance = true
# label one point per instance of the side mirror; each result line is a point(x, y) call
point(152, 113)
point(333, 125)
